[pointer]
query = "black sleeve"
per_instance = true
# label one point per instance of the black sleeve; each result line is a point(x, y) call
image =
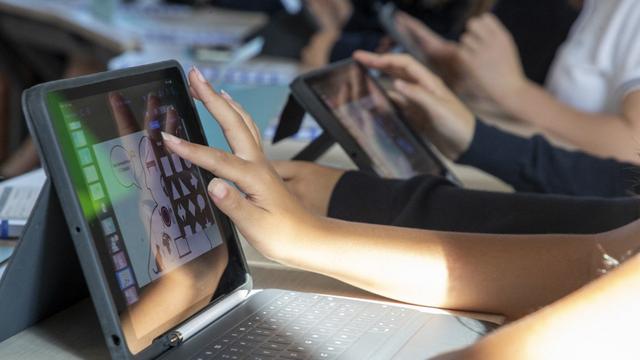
point(428, 202)
point(534, 165)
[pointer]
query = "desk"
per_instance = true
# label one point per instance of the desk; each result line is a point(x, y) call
point(74, 333)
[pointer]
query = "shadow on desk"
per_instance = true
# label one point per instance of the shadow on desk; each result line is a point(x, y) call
point(71, 334)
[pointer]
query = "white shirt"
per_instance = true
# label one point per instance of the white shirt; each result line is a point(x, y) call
point(599, 63)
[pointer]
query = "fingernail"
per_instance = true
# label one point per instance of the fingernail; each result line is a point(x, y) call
point(217, 189)
point(170, 138)
point(199, 75)
point(225, 95)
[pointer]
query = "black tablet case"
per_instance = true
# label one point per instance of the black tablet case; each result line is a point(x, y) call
point(44, 274)
point(303, 100)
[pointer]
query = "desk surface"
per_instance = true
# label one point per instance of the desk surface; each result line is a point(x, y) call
point(75, 334)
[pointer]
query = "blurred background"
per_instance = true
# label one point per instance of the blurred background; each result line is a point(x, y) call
point(251, 48)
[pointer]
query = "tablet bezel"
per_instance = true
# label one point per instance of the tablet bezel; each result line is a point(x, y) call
point(310, 101)
point(41, 126)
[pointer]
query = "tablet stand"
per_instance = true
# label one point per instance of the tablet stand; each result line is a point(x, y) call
point(43, 276)
point(289, 125)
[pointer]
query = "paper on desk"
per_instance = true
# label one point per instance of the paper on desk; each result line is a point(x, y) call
point(16, 202)
point(17, 199)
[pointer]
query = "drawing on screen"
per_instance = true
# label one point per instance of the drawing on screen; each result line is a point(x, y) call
point(160, 204)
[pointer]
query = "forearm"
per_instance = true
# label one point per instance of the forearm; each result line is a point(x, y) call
point(512, 275)
point(599, 134)
point(595, 322)
point(429, 202)
point(534, 165)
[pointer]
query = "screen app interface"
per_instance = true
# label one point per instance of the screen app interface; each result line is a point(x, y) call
point(366, 113)
point(148, 207)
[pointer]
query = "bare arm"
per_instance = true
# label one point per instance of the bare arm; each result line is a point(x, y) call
point(600, 134)
point(506, 274)
point(598, 321)
point(489, 58)
point(512, 275)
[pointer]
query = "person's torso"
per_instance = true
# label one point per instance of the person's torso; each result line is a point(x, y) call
point(586, 71)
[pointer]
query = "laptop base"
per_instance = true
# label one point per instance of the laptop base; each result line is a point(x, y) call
point(43, 275)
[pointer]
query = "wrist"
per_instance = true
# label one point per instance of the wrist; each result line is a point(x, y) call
point(297, 239)
point(318, 52)
point(514, 94)
point(466, 136)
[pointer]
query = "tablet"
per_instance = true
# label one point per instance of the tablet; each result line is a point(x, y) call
point(153, 248)
point(350, 105)
point(387, 18)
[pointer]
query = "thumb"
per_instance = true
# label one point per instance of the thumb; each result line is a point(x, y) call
point(231, 202)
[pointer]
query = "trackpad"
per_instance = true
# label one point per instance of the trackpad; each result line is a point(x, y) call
point(442, 334)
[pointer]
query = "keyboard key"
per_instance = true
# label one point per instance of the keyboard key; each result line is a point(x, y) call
point(238, 350)
point(274, 346)
point(262, 332)
point(324, 355)
point(300, 348)
point(259, 357)
point(228, 356)
point(345, 337)
point(264, 352)
point(281, 340)
point(293, 355)
point(315, 336)
point(339, 343)
point(267, 326)
point(256, 339)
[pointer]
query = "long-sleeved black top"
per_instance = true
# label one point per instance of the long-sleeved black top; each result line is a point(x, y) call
point(534, 165)
point(601, 190)
point(428, 202)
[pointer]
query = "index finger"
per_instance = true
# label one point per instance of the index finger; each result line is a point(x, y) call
point(231, 122)
point(400, 66)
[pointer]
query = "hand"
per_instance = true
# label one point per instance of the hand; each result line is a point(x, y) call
point(265, 212)
point(312, 184)
point(489, 57)
point(434, 111)
point(331, 16)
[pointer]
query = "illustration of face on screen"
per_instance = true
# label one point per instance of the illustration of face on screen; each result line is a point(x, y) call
point(366, 113)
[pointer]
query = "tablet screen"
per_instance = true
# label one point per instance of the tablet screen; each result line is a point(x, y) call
point(160, 240)
point(366, 113)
